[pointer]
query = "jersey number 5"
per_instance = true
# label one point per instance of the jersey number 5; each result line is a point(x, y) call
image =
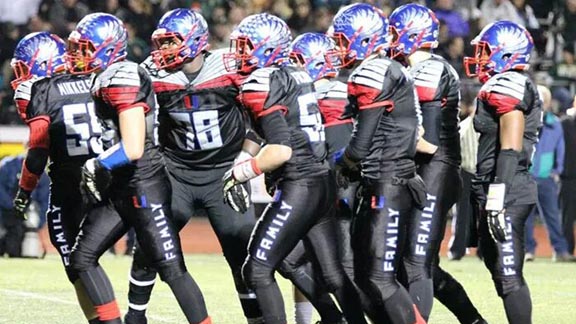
point(311, 121)
point(82, 129)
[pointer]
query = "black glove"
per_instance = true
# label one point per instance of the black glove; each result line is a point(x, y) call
point(497, 225)
point(345, 170)
point(236, 195)
point(21, 202)
point(95, 180)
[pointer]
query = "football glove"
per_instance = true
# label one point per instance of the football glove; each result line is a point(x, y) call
point(95, 180)
point(497, 225)
point(21, 202)
point(344, 169)
point(496, 211)
point(236, 194)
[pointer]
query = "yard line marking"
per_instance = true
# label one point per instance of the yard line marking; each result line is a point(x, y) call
point(27, 294)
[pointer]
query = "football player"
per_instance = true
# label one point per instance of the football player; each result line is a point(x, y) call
point(414, 32)
point(508, 117)
point(59, 112)
point(127, 184)
point(382, 147)
point(201, 132)
point(281, 100)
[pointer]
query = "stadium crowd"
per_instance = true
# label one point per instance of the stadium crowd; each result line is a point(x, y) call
point(551, 23)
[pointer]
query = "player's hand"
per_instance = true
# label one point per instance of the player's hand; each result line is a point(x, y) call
point(497, 225)
point(95, 180)
point(344, 168)
point(236, 194)
point(21, 202)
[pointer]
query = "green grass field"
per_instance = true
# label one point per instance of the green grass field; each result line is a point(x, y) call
point(37, 292)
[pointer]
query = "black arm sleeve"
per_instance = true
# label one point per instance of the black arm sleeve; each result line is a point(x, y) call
point(275, 129)
point(253, 137)
point(506, 167)
point(361, 141)
point(36, 160)
point(432, 121)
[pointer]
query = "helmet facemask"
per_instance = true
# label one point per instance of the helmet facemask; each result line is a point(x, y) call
point(83, 57)
point(245, 57)
point(480, 65)
point(173, 50)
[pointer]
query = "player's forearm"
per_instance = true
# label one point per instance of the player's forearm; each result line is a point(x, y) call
point(133, 129)
point(423, 146)
point(37, 156)
point(273, 156)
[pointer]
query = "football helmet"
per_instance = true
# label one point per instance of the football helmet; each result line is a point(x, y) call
point(316, 53)
point(500, 46)
point(359, 30)
point(187, 29)
point(99, 40)
point(412, 26)
point(258, 41)
point(38, 55)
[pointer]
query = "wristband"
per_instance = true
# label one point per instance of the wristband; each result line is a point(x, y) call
point(495, 197)
point(114, 157)
point(242, 156)
point(246, 170)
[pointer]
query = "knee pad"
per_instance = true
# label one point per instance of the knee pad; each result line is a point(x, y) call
point(256, 274)
point(171, 270)
point(382, 284)
point(508, 285)
point(415, 268)
point(333, 279)
point(81, 261)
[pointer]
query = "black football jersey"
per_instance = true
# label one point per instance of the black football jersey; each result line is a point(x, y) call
point(121, 86)
point(501, 94)
point(65, 101)
point(385, 139)
point(201, 122)
point(438, 88)
point(332, 100)
point(290, 90)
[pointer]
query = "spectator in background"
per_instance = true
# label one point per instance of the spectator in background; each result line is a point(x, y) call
point(13, 223)
point(526, 14)
point(140, 14)
point(462, 219)
point(457, 26)
point(568, 178)
point(566, 69)
point(18, 12)
point(494, 10)
point(302, 18)
point(567, 23)
point(64, 14)
point(453, 52)
point(138, 49)
point(547, 165)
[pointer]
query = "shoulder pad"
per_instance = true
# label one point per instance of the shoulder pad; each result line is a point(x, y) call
point(334, 89)
point(123, 73)
point(509, 83)
point(427, 73)
point(371, 73)
point(259, 80)
point(24, 89)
